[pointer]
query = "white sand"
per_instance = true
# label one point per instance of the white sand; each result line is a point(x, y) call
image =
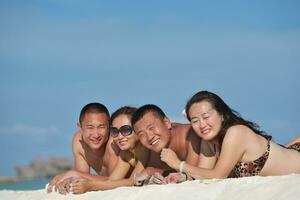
point(252, 188)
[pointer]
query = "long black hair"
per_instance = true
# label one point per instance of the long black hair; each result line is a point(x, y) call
point(230, 116)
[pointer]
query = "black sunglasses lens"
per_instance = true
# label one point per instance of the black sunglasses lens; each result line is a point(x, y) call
point(126, 130)
point(114, 132)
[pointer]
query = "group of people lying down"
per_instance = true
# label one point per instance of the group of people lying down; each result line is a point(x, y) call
point(139, 146)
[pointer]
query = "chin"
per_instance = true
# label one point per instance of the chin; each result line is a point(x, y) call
point(96, 146)
point(124, 148)
point(157, 149)
point(209, 137)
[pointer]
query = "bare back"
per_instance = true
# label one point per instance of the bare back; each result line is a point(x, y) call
point(281, 161)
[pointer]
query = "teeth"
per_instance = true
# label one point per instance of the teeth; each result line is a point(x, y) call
point(205, 131)
point(153, 143)
point(123, 143)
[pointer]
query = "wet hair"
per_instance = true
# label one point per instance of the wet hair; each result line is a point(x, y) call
point(125, 110)
point(93, 108)
point(157, 111)
point(230, 116)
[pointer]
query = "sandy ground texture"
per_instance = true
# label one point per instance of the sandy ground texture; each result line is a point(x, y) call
point(254, 188)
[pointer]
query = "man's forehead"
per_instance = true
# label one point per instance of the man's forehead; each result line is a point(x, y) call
point(95, 117)
point(148, 119)
point(150, 116)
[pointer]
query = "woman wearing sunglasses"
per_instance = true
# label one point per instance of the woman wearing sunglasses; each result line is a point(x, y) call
point(130, 160)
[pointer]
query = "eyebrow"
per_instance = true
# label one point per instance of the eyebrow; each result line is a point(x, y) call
point(150, 124)
point(207, 112)
point(147, 126)
point(201, 114)
point(193, 118)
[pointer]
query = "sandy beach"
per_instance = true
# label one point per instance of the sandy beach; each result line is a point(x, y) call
point(254, 188)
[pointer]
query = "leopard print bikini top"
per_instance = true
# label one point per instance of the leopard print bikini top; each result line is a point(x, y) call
point(251, 168)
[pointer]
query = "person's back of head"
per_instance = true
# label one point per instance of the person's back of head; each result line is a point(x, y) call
point(93, 108)
point(157, 111)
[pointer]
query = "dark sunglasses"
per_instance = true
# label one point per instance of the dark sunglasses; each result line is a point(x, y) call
point(124, 130)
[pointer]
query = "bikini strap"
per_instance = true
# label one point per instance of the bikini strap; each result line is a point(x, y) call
point(268, 147)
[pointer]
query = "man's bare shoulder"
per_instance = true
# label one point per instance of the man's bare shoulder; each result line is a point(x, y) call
point(178, 127)
point(181, 130)
point(77, 142)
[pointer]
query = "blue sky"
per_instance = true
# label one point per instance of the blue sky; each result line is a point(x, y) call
point(57, 56)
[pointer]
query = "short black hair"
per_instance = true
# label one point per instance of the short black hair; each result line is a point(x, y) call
point(93, 108)
point(144, 110)
point(125, 110)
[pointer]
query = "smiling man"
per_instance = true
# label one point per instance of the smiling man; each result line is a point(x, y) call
point(156, 132)
point(91, 147)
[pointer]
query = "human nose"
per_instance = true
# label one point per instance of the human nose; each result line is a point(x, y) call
point(150, 135)
point(96, 132)
point(120, 136)
point(202, 123)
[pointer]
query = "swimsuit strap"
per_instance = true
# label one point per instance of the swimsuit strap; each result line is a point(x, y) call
point(251, 168)
point(268, 147)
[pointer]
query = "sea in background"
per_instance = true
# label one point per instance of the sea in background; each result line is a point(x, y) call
point(25, 185)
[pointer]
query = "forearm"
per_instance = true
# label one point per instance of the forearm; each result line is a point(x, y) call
point(200, 173)
point(110, 184)
point(153, 170)
point(92, 177)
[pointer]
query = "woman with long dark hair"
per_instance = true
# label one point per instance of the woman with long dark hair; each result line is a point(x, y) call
point(240, 148)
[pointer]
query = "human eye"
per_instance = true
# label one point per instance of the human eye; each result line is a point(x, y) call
point(206, 116)
point(102, 126)
point(141, 133)
point(194, 120)
point(89, 127)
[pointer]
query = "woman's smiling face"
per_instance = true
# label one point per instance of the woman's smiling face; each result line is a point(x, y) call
point(124, 142)
point(205, 120)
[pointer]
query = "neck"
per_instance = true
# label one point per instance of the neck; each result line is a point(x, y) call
point(215, 141)
point(89, 149)
point(135, 149)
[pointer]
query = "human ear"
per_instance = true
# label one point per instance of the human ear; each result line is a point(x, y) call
point(79, 126)
point(168, 123)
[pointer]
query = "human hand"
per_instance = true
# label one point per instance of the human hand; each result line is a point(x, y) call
point(80, 185)
point(170, 157)
point(175, 178)
point(157, 178)
point(55, 182)
point(64, 186)
point(139, 179)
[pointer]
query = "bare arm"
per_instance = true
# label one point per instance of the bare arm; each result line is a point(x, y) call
point(207, 156)
point(116, 179)
point(121, 170)
point(193, 146)
point(81, 169)
point(232, 151)
point(80, 163)
point(56, 181)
